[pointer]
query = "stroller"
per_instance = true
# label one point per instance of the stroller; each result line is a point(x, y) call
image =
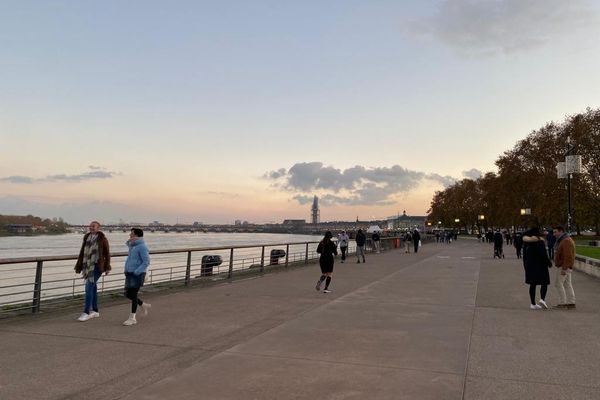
point(498, 252)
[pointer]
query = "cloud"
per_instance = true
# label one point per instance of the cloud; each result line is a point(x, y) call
point(357, 185)
point(94, 167)
point(473, 174)
point(17, 179)
point(275, 174)
point(95, 173)
point(487, 27)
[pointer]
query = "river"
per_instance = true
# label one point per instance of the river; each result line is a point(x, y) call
point(70, 243)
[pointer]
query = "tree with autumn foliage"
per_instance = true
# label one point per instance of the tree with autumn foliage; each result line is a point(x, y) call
point(527, 178)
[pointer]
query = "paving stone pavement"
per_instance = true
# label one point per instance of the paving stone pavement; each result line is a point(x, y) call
point(447, 323)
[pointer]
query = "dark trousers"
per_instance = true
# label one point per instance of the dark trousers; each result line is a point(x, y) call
point(343, 249)
point(132, 294)
point(551, 253)
point(543, 291)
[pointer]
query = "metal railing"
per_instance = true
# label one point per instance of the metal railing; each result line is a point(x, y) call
point(34, 283)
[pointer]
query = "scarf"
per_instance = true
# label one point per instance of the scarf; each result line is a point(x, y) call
point(90, 257)
point(559, 239)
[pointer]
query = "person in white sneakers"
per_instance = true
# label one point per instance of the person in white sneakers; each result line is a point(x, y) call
point(93, 261)
point(536, 263)
point(138, 260)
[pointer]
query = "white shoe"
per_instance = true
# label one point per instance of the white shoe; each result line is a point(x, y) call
point(83, 317)
point(146, 307)
point(326, 291)
point(535, 307)
point(94, 314)
point(543, 304)
point(130, 321)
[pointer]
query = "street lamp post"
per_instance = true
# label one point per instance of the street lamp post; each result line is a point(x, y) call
point(566, 169)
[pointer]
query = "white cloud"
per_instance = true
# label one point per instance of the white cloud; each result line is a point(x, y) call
point(357, 185)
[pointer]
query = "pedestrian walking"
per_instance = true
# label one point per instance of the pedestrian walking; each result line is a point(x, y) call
point(550, 242)
point(536, 264)
point(327, 249)
point(93, 261)
point(407, 241)
point(343, 240)
point(376, 241)
point(498, 243)
point(138, 260)
point(416, 238)
point(518, 243)
point(564, 259)
point(361, 239)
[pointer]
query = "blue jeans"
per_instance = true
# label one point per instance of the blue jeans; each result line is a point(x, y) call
point(91, 293)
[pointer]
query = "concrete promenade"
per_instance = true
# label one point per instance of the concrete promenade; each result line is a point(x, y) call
point(447, 323)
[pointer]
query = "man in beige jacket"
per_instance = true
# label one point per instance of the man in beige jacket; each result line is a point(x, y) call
point(564, 259)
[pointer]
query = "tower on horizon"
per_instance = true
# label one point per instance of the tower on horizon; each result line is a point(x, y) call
point(315, 213)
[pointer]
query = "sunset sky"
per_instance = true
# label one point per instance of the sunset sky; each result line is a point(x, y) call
point(216, 111)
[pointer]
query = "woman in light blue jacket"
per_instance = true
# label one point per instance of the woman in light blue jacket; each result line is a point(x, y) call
point(136, 265)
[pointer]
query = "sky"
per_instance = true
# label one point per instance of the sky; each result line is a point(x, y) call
point(186, 111)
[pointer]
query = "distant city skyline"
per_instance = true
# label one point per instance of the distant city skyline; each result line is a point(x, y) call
point(219, 111)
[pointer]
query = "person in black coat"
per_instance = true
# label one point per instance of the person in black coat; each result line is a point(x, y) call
point(327, 249)
point(498, 243)
point(416, 236)
point(518, 243)
point(536, 263)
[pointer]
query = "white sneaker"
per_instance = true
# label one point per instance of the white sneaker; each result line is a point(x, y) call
point(94, 314)
point(543, 304)
point(146, 307)
point(326, 291)
point(83, 317)
point(130, 321)
point(535, 307)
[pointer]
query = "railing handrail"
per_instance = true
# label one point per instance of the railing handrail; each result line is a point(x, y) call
point(24, 260)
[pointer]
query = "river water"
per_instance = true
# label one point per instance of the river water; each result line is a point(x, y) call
point(59, 279)
point(70, 243)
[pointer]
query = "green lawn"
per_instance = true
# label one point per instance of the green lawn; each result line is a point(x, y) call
point(593, 252)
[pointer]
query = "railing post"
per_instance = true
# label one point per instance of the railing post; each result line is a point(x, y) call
point(306, 255)
point(262, 259)
point(230, 274)
point(188, 268)
point(37, 288)
point(287, 254)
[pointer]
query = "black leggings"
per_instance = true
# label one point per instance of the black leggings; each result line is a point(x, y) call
point(132, 294)
point(543, 291)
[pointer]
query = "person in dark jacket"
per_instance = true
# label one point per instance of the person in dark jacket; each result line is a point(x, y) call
point(361, 239)
point(498, 243)
point(93, 261)
point(518, 243)
point(376, 241)
point(416, 237)
point(327, 249)
point(536, 263)
point(550, 242)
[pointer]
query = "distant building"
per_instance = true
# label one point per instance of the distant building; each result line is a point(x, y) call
point(294, 223)
point(238, 222)
point(404, 222)
point(315, 212)
point(19, 228)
